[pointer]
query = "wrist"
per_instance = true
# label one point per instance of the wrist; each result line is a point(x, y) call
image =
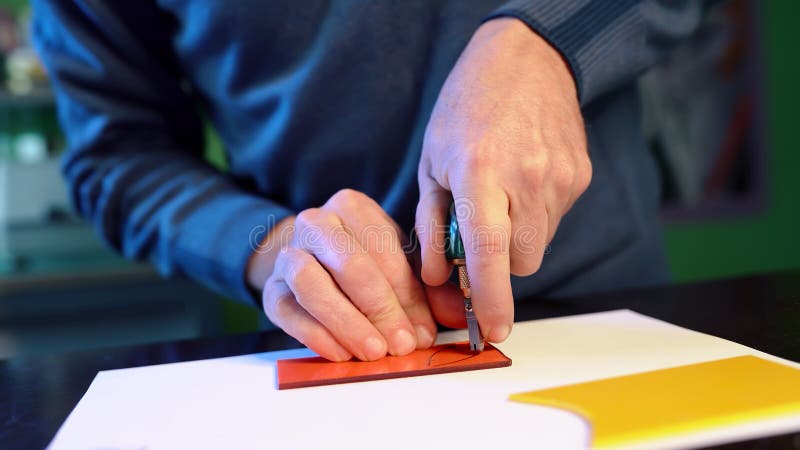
point(523, 42)
point(262, 260)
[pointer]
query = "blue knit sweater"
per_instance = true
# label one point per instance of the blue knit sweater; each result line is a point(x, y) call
point(311, 97)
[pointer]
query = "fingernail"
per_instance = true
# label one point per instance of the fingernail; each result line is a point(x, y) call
point(403, 342)
point(499, 334)
point(375, 348)
point(343, 355)
point(424, 337)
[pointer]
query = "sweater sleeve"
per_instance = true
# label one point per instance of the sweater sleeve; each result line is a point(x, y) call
point(607, 43)
point(133, 161)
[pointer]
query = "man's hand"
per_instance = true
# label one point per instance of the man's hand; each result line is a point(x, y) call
point(342, 284)
point(506, 140)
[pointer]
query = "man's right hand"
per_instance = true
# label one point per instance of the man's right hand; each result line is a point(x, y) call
point(342, 285)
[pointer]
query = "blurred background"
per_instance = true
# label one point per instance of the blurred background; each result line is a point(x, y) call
point(719, 115)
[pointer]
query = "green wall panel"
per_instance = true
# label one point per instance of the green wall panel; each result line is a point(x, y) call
point(770, 240)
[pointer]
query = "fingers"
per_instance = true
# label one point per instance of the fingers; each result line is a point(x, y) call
point(283, 310)
point(380, 237)
point(316, 292)
point(536, 211)
point(529, 233)
point(431, 220)
point(358, 277)
point(447, 305)
point(482, 212)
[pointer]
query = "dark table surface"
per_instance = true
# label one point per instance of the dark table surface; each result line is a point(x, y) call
point(763, 312)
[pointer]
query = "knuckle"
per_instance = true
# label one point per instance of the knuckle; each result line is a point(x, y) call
point(534, 170)
point(350, 263)
point(583, 175)
point(308, 217)
point(475, 159)
point(298, 272)
point(409, 295)
point(563, 178)
point(347, 199)
point(434, 131)
point(488, 247)
point(488, 240)
point(281, 307)
point(379, 311)
point(313, 227)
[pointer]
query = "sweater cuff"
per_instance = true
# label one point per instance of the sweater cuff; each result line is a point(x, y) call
point(216, 248)
point(584, 33)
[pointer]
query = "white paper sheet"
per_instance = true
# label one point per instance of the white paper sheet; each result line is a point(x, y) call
point(232, 403)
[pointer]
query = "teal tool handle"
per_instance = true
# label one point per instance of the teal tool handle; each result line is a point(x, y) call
point(453, 245)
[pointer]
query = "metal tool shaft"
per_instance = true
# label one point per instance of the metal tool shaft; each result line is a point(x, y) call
point(457, 256)
point(473, 330)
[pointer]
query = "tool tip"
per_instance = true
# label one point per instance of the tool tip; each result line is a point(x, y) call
point(476, 347)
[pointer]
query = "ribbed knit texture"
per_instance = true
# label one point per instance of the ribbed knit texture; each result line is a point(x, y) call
point(607, 43)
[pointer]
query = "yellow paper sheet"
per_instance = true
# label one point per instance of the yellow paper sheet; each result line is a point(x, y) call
point(669, 402)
